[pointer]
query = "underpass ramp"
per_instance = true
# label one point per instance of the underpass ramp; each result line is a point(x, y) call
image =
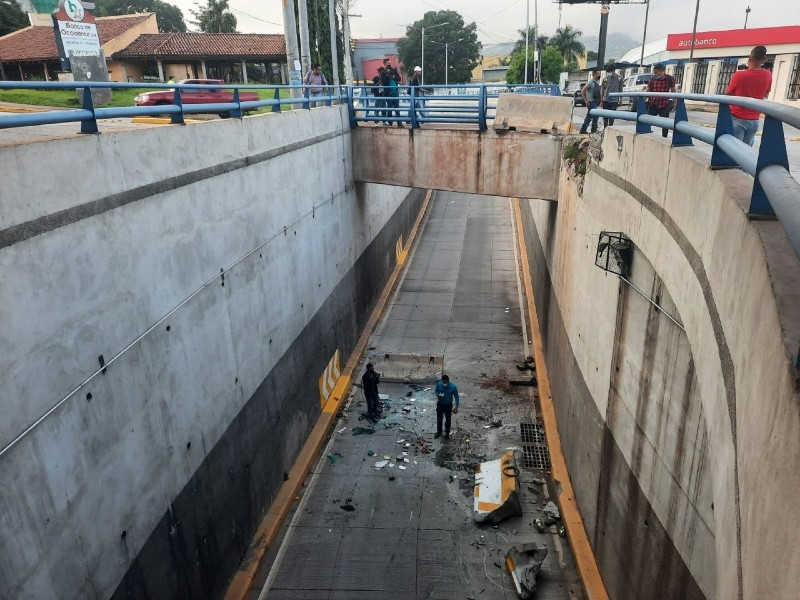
point(534, 114)
point(408, 368)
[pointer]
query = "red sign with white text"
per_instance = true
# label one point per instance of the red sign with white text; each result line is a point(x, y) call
point(765, 36)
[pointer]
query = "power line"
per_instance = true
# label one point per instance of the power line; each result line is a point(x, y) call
point(241, 12)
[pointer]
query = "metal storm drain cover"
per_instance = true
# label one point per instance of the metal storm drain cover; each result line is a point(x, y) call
point(532, 433)
point(535, 457)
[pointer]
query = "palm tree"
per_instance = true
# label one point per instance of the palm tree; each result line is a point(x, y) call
point(566, 40)
point(214, 17)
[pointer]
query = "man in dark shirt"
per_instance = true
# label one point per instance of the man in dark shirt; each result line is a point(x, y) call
point(377, 91)
point(390, 82)
point(660, 82)
point(612, 85)
point(419, 92)
point(754, 82)
point(370, 381)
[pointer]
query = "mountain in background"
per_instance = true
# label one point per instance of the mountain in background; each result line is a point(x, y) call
point(617, 45)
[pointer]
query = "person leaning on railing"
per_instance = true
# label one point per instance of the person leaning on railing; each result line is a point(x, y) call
point(377, 90)
point(754, 82)
point(416, 82)
point(660, 83)
point(390, 81)
point(612, 85)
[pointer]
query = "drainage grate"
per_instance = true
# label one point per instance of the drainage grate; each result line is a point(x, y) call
point(532, 433)
point(535, 457)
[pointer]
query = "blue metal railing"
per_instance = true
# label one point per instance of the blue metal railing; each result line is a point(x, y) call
point(471, 104)
point(89, 114)
point(775, 191)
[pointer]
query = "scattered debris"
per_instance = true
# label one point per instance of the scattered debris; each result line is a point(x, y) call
point(381, 463)
point(540, 527)
point(551, 510)
point(524, 382)
point(332, 458)
point(537, 481)
point(343, 429)
point(348, 507)
point(363, 431)
point(523, 563)
point(383, 396)
point(391, 478)
point(401, 467)
point(562, 531)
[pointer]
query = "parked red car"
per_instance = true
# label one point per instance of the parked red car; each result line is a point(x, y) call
point(191, 95)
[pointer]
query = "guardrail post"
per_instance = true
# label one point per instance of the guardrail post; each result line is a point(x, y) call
point(307, 96)
point(351, 109)
point(412, 107)
point(276, 96)
point(641, 109)
point(678, 138)
point(237, 112)
point(720, 160)
point(329, 100)
point(89, 126)
point(771, 152)
point(482, 108)
point(177, 118)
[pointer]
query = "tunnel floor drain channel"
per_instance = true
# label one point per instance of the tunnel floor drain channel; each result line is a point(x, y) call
point(535, 457)
point(532, 433)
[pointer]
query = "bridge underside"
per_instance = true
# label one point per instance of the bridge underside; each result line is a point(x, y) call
point(511, 163)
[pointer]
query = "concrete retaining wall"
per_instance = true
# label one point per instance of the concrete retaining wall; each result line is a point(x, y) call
point(513, 164)
point(151, 480)
point(683, 448)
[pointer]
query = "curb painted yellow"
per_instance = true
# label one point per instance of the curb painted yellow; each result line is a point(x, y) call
point(585, 561)
point(19, 109)
point(264, 537)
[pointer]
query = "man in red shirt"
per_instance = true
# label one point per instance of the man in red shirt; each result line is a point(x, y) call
point(756, 83)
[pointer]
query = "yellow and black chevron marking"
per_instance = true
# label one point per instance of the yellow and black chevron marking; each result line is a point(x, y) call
point(327, 382)
point(400, 252)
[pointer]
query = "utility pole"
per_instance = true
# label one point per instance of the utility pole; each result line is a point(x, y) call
point(305, 50)
point(694, 31)
point(746, 16)
point(334, 48)
point(527, 35)
point(348, 64)
point(605, 8)
point(422, 79)
point(536, 56)
point(292, 53)
point(644, 36)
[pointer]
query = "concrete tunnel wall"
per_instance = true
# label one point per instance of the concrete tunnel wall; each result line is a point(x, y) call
point(152, 486)
point(683, 448)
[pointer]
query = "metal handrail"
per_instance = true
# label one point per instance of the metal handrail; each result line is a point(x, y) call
point(775, 191)
point(88, 114)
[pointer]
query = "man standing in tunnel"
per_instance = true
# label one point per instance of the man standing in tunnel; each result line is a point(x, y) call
point(446, 393)
point(370, 381)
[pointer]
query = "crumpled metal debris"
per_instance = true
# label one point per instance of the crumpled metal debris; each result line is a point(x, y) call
point(523, 563)
point(551, 510)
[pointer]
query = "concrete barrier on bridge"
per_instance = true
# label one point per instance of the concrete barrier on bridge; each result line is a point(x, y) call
point(513, 164)
point(534, 114)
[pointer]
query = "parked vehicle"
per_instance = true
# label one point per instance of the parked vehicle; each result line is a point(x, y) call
point(191, 95)
point(634, 83)
point(578, 96)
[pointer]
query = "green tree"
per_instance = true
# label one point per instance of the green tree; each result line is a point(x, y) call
point(540, 41)
point(11, 17)
point(552, 64)
point(214, 17)
point(169, 16)
point(464, 55)
point(566, 40)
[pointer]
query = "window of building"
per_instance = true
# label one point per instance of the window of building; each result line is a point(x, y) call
point(794, 80)
point(700, 76)
point(678, 77)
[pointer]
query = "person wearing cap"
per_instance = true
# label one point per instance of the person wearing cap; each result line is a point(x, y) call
point(755, 82)
point(446, 395)
point(612, 85)
point(416, 82)
point(660, 83)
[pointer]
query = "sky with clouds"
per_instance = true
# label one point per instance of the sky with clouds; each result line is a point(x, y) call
point(498, 20)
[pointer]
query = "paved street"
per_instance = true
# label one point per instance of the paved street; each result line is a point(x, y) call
point(406, 532)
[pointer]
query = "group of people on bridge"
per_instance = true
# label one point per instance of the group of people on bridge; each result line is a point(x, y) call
point(386, 90)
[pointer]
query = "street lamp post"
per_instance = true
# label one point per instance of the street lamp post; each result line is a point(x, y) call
point(694, 31)
point(423, 46)
point(644, 35)
point(527, 35)
point(446, 58)
point(746, 16)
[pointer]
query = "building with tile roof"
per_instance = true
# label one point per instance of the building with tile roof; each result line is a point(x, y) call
point(135, 51)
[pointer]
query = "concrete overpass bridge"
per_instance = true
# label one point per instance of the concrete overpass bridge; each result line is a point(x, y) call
point(182, 322)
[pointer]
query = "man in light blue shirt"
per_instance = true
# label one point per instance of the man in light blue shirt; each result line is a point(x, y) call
point(446, 394)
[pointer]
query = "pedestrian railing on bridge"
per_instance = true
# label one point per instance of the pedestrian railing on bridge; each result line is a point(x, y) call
point(471, 104)
point(775, 191)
